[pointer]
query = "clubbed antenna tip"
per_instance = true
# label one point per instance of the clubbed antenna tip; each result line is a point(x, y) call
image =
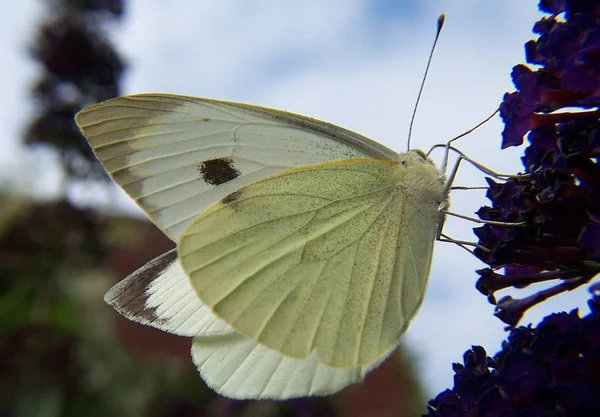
point(440, 23)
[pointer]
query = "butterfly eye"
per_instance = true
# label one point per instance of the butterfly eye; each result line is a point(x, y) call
point(421, 154)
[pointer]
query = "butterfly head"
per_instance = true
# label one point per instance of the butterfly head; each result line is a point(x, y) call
point(415, 157)
point(417, 172)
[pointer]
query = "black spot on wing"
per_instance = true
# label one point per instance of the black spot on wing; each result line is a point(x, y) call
point(231, 198)
point(218, 171)
point(131, 299)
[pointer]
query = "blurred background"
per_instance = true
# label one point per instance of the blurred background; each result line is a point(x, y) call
point(67, 234)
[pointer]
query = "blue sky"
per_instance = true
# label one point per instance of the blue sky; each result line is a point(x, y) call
point(356, 63)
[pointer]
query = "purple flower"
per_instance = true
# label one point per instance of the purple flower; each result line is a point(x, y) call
point(568, 52)
point(557, 200)
point(551, 232)
point(550, 370)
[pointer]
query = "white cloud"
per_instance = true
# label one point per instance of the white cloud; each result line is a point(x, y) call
point(331, 60)
point(17, 30)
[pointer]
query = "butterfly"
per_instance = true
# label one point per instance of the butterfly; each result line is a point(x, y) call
point(303, 248)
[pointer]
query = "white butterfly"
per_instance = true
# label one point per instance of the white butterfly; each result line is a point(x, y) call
point(303, 249)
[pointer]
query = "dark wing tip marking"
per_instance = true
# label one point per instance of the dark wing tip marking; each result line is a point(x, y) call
point(130, 296)
point(218, 171)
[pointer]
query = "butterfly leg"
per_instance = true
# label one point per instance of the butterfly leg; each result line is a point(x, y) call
point(468, 187)
point(461, 156)
point(462, 243)
point(443, 208)
point(480, 167)
point(481, 221)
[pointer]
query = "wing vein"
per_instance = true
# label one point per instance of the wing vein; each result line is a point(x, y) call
point(297, 316)
point(337, 333)
point(173, 155)
point(191, 271)
point(357, 241)
point(331, 201)
point(146, 125)
point(238, 201)
point(264, 388)
point(414, 262)
point(313, 373)
point(173, 185)
point(162, 145)
point(393, 269)
point(264, 266)
point(361, 329)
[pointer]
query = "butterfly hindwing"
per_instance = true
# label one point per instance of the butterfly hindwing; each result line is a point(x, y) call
point(317, 258)
point(239, 367)
point(160, 295)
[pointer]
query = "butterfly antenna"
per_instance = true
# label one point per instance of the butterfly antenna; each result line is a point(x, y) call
point(440, 24)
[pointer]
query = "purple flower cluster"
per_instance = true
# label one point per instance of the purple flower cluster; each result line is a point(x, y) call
point(551, 231)
point(551, 370)
point(568, 53)
point(557, 200)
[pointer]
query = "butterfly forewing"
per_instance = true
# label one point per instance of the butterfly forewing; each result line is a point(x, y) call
point(320, 258)
point(159, 294)
point(176, 155)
